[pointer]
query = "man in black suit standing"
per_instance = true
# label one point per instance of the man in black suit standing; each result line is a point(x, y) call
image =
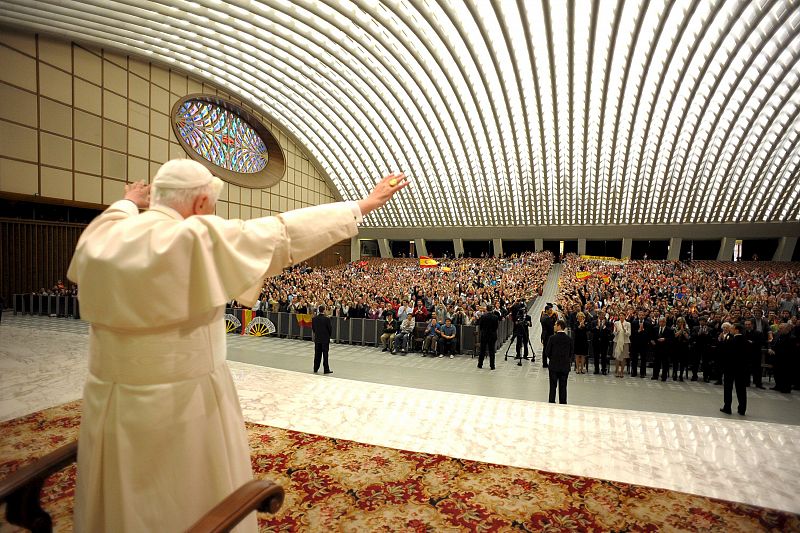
point(702, 339)
point(641, 328)
point(547, 320)
point(487, 326)
point(755, 340)
point(559, 351)
point(736, 370)
point(322, 330)
point(662, 344)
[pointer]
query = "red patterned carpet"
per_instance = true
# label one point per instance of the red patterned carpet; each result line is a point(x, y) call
point(337, 485)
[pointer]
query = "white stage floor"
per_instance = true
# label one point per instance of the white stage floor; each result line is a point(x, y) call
point(750, 462)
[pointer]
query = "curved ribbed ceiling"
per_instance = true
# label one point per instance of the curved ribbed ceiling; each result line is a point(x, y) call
point(504, 112)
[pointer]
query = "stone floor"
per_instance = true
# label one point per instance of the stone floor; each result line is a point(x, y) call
point(631, 430)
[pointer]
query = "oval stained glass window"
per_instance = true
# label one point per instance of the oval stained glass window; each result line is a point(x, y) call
point(221, 137)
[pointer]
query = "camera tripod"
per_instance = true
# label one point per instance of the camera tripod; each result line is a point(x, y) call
point(520, 357)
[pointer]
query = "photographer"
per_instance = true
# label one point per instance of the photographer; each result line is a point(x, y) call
point(522, 324)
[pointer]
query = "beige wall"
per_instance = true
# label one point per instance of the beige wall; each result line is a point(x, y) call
point(77, 122)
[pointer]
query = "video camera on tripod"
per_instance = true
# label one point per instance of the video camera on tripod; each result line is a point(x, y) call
point(522, 323)
point(522, 319)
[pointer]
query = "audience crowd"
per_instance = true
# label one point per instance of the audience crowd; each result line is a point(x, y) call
point(375, 288)
point(406, 296)
point(681, 316)
point(674, 315)
point(59, 289)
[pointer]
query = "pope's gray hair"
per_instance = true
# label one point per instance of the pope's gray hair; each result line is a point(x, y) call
point(180, 199)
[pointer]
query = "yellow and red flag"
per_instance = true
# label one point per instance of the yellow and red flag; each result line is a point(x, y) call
point(584, 275)
point(447, 269)
point(427, 262)
point(304, 319)
point(247, 316)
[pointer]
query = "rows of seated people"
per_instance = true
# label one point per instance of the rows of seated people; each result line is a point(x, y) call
point(680, 316)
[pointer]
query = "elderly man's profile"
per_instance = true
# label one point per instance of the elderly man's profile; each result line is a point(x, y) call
point(162, 437)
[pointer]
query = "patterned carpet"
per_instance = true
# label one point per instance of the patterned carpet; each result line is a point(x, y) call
point(338, 485)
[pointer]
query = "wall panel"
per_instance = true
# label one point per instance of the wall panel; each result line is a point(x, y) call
point(100, 108)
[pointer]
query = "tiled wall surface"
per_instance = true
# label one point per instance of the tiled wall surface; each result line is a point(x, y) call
point(77, 122)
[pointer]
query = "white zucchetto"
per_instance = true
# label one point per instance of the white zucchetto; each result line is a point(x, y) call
point(183, 174)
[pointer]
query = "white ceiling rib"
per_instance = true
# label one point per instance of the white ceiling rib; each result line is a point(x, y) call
point(504, 113)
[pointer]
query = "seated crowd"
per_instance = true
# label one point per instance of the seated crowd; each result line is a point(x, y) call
point(413, 302)
point(681, 315)
point(59, 289)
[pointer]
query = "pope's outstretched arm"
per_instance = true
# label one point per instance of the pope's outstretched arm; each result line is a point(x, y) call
point(311, 230)
point(202, 261)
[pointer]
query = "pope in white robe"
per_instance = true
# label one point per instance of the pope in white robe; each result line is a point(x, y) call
point(162, 437)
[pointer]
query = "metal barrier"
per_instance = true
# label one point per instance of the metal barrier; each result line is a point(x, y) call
point(359, 331)
point(46, 305)
point(365, 331)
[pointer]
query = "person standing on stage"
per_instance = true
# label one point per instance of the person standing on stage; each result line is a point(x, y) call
point(580, 337)
point(522, 324)
point(662, 344)
point(702, 338)
point(622, 340)
point(487, 326)
point(601, 334)
point(641, 327)
point(322, 330)
point(547, 320)
point(756, 341)
point(160, 410)
point(785, 346)
point(736, 370)
point(680, 349)
point(560, 351)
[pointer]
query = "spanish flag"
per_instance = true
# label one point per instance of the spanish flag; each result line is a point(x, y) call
point(585, 275)
point(447, 269)
point(304, 319)
point(427, 262)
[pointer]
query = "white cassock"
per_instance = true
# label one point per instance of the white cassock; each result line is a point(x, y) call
point(162, 437)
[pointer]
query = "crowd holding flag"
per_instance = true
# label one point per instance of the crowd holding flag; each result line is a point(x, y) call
point(585, 275)
point(427, 262)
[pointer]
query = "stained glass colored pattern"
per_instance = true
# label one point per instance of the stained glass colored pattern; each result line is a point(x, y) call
point(221, 137)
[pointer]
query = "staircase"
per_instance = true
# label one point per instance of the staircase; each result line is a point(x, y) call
point(549, 293)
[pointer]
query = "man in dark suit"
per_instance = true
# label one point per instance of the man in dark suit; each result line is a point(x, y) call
point(736, 370)
point(755, 340)
point(702, 339)
point(547, 320)
point(487, 326)
point(662, 344)
point(559, 351)
point(322, 330)
point(641, 328)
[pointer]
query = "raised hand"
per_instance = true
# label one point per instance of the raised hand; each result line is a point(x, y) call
point(383, 191)
point(138, 193)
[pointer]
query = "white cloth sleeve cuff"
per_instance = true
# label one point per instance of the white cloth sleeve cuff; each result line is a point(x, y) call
point(356, 211)
point(125, 205)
